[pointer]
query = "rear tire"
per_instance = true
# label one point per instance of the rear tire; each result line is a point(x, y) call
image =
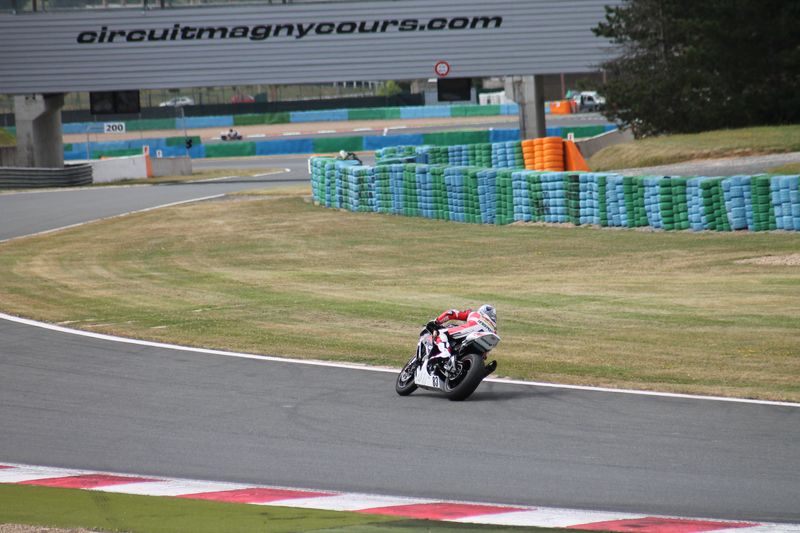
point(405, 380)
point(467, 381)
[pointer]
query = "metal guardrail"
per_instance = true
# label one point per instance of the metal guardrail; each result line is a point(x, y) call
point(31, 178)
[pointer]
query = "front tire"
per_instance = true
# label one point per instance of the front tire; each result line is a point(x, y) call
point(405, 380)
point(471, 375)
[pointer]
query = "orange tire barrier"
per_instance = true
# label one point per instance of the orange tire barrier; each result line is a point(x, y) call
point(552, 154)
point(573, 158)
point(560, 107)
point(528, 154)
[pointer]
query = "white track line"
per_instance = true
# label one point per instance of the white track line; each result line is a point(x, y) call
point(357, 366)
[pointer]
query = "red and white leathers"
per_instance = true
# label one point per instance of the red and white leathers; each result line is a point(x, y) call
point(473, 321)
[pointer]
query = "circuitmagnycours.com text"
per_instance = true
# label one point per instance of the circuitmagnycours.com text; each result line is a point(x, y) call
point(262, 32)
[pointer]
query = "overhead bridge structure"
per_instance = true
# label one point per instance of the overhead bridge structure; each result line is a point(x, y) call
point(51, 53)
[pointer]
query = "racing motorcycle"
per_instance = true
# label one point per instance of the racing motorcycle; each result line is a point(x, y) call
point(456, 382)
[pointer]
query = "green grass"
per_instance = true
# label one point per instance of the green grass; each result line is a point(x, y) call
point(791, 168)
point(104, 511)
point(669, 149)
point(669, 311)
point(6, 139)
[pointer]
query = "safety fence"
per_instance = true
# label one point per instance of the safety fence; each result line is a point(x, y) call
point(503, 196)
point(30, 178)
point(175, 146)
point(291, 117)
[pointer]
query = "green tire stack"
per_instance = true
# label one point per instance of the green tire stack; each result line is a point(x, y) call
point(472, 208)
point(572, 187)
point(364, 193)
point(434, 154)
point(410, 192)
point(714, 205)
point(439, 192)
point(680, 203)
point(484, 155)
point(633, 188)
point(763, 212)
point(505, 198)
point(519, 160)
point(382, 191)
point(472, 154)
point(536, 192)
point(601, 204)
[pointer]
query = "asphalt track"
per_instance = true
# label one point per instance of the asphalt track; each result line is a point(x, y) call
point(80, 402)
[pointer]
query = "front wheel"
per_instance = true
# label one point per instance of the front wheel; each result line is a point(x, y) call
point(471, 373)
point(405, 380)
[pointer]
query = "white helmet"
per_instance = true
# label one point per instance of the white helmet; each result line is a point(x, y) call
point(489, 314)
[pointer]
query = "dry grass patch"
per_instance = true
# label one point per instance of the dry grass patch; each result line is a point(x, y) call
point(668, 311)
point(668, 149)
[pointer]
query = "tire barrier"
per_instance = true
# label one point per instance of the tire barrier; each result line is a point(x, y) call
point(290, 117)
point(550, 155)
point(471, 194)
point(786, 202)
point(174, 146)
point(31, 178)
point(507, 155)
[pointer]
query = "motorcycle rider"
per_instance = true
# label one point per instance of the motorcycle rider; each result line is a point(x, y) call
point(485, 318)
point(344, 155)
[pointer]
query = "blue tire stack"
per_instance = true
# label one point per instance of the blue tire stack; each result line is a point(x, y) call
point(521, 195)
point(555, 198)
point(652, 202)
point(427, 206)
point(786, 202)
point(454, 178)
point(615, 202)
point(396, 187)
point(487, 195)
point(736, 191)
point(589, 199)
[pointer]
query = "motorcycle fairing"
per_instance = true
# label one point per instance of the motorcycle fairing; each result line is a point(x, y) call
point(484, 340)
point(427, 380)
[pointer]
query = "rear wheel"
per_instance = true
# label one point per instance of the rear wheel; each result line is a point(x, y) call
point(470, 373)
point(405, 380)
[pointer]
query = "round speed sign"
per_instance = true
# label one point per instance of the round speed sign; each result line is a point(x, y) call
point(442, 68)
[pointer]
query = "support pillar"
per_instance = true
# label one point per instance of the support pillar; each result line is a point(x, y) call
point(39, 137)
point(528, 93)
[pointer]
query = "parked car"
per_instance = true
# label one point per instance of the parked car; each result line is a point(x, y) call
point(242, 99)
point(177, 101)
point(588, 101)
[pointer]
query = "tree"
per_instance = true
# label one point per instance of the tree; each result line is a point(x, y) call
point(688, 65)
point(390, 88)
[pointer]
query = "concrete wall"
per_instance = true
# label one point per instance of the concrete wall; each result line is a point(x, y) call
point(119, 168)
point(38, 123)
point(589, 147)
point(8, 156)
point(171, 166)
